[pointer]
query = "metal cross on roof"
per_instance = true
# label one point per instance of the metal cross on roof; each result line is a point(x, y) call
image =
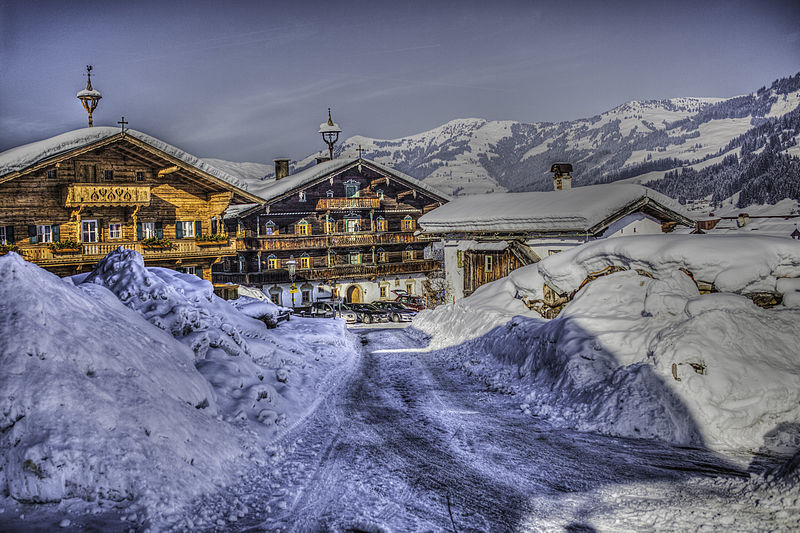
point(122, 123)
point(360, 151)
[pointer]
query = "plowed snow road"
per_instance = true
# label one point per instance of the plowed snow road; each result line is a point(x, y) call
point(411, 445)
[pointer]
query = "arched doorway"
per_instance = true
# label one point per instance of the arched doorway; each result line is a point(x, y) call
point(354, 294)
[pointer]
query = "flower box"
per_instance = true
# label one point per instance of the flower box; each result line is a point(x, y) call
point(66, 250)
point(211, 243)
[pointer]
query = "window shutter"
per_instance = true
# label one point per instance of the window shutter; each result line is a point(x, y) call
point(10, 234)
point(159, 230)
point(179, 230)
point(198, 228)
point(32, 234)
point(56, 233)
point(199, 272)
point(139, 232)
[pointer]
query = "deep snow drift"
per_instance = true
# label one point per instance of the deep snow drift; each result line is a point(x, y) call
point(636, 356)
point(152, 392)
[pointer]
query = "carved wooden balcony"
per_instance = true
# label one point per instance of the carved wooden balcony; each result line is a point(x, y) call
point(335, 240)
point(325, 204)
point(99, 195)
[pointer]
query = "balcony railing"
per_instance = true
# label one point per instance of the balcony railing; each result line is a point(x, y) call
point(93, 252)
point(328, 273)
point(90, 195)
point(339, 240)
point(348, 203)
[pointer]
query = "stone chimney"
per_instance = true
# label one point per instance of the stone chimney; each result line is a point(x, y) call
point(562, 179)
point(281, 168)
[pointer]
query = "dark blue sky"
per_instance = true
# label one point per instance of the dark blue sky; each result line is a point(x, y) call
point(250, 81)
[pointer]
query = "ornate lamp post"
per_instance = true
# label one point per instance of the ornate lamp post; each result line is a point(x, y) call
point(89, 97)
point(330, 132)
point(291, 266)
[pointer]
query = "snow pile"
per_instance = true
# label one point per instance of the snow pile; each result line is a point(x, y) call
point(255, 304)
point(270, 378)
point(96, 403)
point(636, 356)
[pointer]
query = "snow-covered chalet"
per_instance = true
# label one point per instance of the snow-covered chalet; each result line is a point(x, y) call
point(487, 236)
point(67, 201)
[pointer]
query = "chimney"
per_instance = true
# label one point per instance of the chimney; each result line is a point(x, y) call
point(562, 179)
point(281, 168)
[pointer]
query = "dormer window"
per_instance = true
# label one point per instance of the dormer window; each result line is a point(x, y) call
point(380, 193)
point(269, 228)
point(301, 196)
point(329, 194)
point(408, 223)
point(302, 228)
point(351, 188)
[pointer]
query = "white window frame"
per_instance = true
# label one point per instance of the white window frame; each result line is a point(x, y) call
point(90, 231)
point(44, 233)
point(187, 227)
point(488, 263)
point(3, 235)
point(115, 231)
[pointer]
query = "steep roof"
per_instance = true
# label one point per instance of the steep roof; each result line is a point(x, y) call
point(580, 209)
point(323, 170)
point(17, 160)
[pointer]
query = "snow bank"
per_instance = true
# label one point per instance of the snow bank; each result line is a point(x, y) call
point(98, 403)
point(267, 377)
point(635, 356)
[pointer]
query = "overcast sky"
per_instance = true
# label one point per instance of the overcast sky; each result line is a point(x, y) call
point(251, 81)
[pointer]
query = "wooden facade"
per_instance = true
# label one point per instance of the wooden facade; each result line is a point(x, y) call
point(66, 212)
point(484, 266)
point(357, 221)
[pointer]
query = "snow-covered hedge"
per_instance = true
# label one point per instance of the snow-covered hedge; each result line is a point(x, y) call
point(635, 356)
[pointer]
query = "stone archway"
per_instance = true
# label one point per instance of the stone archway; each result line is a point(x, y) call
point(354, 294)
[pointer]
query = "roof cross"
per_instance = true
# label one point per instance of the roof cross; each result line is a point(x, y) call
point(122, 123)
point(360, 151)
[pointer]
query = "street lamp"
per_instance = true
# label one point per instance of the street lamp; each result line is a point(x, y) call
point(330, 132)
point(291, 266)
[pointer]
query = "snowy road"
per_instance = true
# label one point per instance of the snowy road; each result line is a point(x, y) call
point(410, 445)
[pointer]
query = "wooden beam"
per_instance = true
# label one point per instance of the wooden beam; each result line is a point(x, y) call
point(168, 170)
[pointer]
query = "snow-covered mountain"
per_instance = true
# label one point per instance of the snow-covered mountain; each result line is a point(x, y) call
point(640, 141)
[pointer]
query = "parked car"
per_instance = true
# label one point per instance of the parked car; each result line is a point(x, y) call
point(397, 311)
point(414, 302)
point(368, 313)
point(331, 310)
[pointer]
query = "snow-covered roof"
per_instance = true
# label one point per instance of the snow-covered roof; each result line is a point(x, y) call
point(87, 92)
point(572, 210)
point(21, 157)
point(309, 175)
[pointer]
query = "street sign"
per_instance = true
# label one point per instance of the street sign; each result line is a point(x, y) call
point(293, 289)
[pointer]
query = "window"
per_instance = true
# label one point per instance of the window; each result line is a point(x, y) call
point(185, 229)
point(148, 230)
point(381, 224)
point(354, 258)
point(351, 189)
point(272, 262)
point(89, 231)
point(408, 223)
point(352, 225)
point(301, 228)
point(269, 228)
point(139, 176)
point(305, 261)
point(383, 255)
point(488, 263)
point(52, 173)
point(380, 193)
point(408, 254)
point(384, 291)
point(44, 233)
point(275, 295)
point(331, 258)
point(301, 196)
point(115, 231)
point(329, 194)
point(190, 270)
point(410, 288)
point(108, 175)
point(5, 238)
point(330, 226)
point(305, 294)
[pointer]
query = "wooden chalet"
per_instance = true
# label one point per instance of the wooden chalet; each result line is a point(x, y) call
point(486, 237)
point(67, 201)
point(350, 225)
